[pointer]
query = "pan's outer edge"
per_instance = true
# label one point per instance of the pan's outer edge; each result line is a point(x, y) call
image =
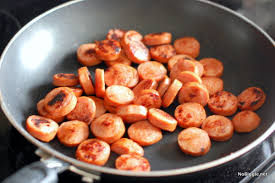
point(107, 170)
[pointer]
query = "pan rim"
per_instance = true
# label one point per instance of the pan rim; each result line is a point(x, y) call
point(108, 170)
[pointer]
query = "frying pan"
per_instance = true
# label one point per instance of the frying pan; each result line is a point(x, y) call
point(47, 46)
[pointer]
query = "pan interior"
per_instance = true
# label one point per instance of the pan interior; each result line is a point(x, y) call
point(48, 46)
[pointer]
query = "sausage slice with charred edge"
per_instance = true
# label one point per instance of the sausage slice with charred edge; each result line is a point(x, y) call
point(127, 146)
point(42, 111)
point(108, 50)
point(158, 38)
point(251, 99)
point(149, 98)
point(65, 79)
point(162, 53)
point(213, 84)
point(115, 34)
point(86, 55)
point(85, 80)
point(145, 84)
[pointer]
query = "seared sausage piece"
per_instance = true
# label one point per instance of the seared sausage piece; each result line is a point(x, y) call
point(212, 67)
point(42, 128)
point(65, 79)
point(99, 105)
point(119, 95)
point(127, 146)
point(108, 50)
point(122, 59)
point(145, 84)
point(77, 91)
point(99, 83)
point(164, 85)
point(86, 55)
point(162, 53)
point(174, 59)
point(157, 38)
point(42, 112)
point(151, 70)
point(213, 84)
point(188, 76)
point(115, 34)
point(183, 65)
point(148, 98)
point(109, 106)
point(171, 93)
point(251, 99)
point(85, 80)
point(132, 162)
point(162, 120)
point(246, 121)
point(188, 46)
point(132, 113)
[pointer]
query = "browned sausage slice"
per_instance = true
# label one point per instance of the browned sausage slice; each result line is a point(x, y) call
point(200, 67)
point(108, 127)
point(122, 59)
point(42, 128)
point(109, 106)
point(93, 151)
point(190, 115)
point(251, 99)
point(99, 104)
point(246, 121)
point(132, 113)
point(42, 111)
point(171, 93)
point(72, 133)
point(115, 34)
point(144, 133)
point(86, 55)
point(174, 59)
point(149, 98)
point(213, 84)
point(188, 46)
point(164, 85)
point(145, 84)
point(212, 67)
point(193, 92)
point(161, 119)
point(151, 70)
point(130, 36)
point(120, 74)
point(183, 65)
point(136, 51)
point(84, 110)
point(194, 141)
point(99, 83)
point(77, 91)
point(85, 80)
point(65, 79)
point(127, 146)
point(108, 50)
point(188, 76)
point(162, 53)
point(60, 101)
point(119, 95)
point(218, 127)
point(157, 38)
point(132, 162)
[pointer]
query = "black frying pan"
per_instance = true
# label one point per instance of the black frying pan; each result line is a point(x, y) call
point(47, 46)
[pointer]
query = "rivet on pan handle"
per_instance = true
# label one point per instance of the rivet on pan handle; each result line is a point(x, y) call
point(86, 176)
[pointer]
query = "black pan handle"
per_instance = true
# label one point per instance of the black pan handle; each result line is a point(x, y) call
point(37, 172)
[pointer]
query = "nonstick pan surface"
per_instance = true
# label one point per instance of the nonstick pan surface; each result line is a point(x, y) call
point(47, 45)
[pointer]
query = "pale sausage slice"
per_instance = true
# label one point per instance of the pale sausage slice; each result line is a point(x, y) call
point(108, 50)
point(122, 59)
point(86, 55)
point(151, 70)
point(72, 133)
point(190, 115)
point(42, 128)
point(164, 85)
point(121, 74)
point(212, 67)
point(162, 120)
point(84, 110)
point(213, 84)
point(194, 141)
point(109, 106)
point(119, 95)
point(174, 59)
point(193, 92)
point(183, 65)
point(132, 113)
point(108, 127)
point(223, 103)
point(85, 80)
point(145, 84)
point(115, 34)
point(171, 93)
point(246, 121)
point(162, 53)
point(77, 91)
point(65, 79)
point(200, 67)
point(99, 105)
point(144, 133)
point(132, 162)
point(188, 46)
point(127, 146)
point(188, 76)
point(42, 112)
point(99, 83)
point(93, 151)
point(219, 128)
point(251, 99)
point(157, 38)
point(149, 98)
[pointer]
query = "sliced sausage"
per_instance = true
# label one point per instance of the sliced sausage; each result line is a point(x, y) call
point(223, 103)
point(99, 105)
point(164, 85)
point(77, 91)
point(85, 80)
point(42, 112)
point(108, 127)
point(108, 50)
point(219, 128)
point(171, 93)
point(84, 110)
point(93, 151)
point(251, 99)
point(157, 38)
point(42, 128)
point(213, 84)
point(72, 133)
point(183, 65)
point(122, 59)
point(60, 101)
point(115, 34)
point(127, 146)
point(131, 162)
point(99, 83)
point(193, 92)
point(145, 84)
point(200, 67)
point(188, 46)
point(174, 59)
point(162, 53)
point(120, 74)
point(136, 51)
point(188, 76)
point(144, 133)
point(190, 114)
point(246, 121)
point(130, 36)
point(162, 120)
point(65, 79)
point(86, 55)
point(151, 70)
point(119, 95)
point(212, 67)
point(110, 107)
point(149, 98)
point(132, 113)
point(194, 141)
